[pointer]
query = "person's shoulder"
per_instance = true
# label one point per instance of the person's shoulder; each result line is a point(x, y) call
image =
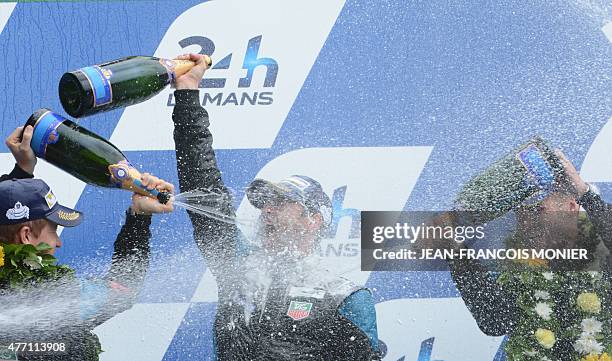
point(343, 285)
point(340, 288)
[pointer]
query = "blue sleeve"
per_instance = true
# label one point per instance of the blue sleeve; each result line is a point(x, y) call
point(359, 309)
point(101, 299)
point(94, 296)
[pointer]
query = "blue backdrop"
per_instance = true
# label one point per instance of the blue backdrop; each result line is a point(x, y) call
point(471, 80)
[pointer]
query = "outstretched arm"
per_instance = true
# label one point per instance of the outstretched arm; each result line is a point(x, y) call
point(103, 298)
point(198, 170)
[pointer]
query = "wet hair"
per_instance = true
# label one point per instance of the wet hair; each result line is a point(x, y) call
point(8, 233)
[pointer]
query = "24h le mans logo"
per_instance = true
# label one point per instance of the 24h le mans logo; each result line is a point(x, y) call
point(299, 310)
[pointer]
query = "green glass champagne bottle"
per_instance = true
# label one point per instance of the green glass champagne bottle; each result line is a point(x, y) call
point(118, 83)
point(85, 155)
point(526, 175)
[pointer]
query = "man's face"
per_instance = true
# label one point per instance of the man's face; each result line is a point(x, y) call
point(47, 234)
point(286, 224)
point(559, 214)
point(560, 202)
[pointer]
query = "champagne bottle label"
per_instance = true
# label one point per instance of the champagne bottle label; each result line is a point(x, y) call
point(100, 81)
point(45, 132)
point(539, 174)
point(123, 174)
point(169, 65)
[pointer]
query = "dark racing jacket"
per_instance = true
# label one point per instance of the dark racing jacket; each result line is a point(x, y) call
point(270, 307)
point(82, 303)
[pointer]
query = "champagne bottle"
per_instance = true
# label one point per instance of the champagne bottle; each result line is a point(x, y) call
point(526, 175)
point(118, 83)
point(84, 154)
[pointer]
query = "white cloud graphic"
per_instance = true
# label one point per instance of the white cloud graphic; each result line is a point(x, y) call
point(293, 34)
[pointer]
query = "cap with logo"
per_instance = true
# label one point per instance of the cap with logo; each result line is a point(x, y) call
point(24, 200)
point(298, 188)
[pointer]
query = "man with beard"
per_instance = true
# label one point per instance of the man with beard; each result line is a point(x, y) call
point(275, 302)
point(547, 307)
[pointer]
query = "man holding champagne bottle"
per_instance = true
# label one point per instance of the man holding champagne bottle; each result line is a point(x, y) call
point(62, 309)
point(538, 303)
point(275, 302)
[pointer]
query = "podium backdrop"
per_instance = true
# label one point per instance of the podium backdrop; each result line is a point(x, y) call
point(391, 104)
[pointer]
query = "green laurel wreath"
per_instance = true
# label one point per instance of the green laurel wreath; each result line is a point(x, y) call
point(22, 265)
point(538, 289)
point(535, 335)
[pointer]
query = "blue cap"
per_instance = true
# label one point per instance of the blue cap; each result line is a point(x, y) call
point(26, 200)
point(298, 188)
